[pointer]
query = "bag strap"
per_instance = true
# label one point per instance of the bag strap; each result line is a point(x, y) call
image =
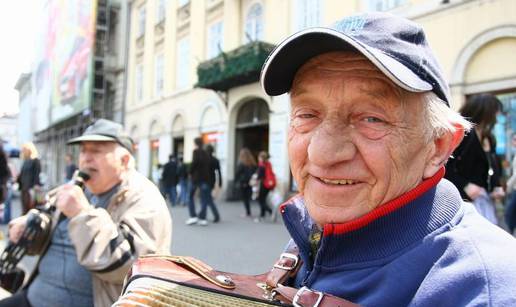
point(287, 266)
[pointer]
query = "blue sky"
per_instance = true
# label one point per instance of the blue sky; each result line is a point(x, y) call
point(18, 25)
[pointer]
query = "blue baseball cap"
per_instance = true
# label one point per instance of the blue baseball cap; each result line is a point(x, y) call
point(395, 45)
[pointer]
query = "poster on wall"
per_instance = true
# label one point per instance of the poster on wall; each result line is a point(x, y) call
point(63, 72)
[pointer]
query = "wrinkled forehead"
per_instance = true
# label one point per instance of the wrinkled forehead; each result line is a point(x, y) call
point(341, 64)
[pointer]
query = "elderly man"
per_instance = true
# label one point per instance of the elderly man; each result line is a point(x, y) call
point(120, 216)
point(370, 132)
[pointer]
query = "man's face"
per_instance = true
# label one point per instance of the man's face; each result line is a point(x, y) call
point(353, 145)
point(101, 161)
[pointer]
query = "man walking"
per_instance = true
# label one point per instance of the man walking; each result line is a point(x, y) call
point(169, 179)
point(199, 176)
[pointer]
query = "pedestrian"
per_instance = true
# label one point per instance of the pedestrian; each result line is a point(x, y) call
point(119, 217)
point(182, 174)
point(245, 169)
point(510, 209)
point(199, 176)
point(264, 172)
point(169, 179)
point(370, 131)
point(215, 176)
point(5, 178)
point(474, 168)
point(28, 179)
point(70, 167)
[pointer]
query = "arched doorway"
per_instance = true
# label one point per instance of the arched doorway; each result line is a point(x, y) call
point(252, 127)
point(178, 139)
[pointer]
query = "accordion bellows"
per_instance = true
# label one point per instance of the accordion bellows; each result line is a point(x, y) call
point(156, 293)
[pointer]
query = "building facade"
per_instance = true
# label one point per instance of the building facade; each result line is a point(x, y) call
point(8, 129)
point(181, 84)
point(27, 112)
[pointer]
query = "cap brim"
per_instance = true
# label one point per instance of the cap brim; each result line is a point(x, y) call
point(280, 68)
point(91, 138)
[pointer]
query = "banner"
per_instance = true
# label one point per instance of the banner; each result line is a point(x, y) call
point(63, 72)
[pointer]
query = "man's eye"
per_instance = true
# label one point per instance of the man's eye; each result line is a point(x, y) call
point(372, 119)
point(305, 115)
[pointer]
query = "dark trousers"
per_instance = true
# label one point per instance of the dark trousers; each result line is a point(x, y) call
point(191, 202)
point(262, 200)
point(19, 299)
point(26, 201)
point(207, 201)
point(171, 194)
point(246, 197)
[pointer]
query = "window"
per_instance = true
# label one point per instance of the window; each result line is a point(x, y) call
point(160, 11)
point(183, 63)
point(215, 39)
point(253, 24)
point(141, 22)
point(384, 5)
point(158, 75)
point(308, 14)
point(139, 82)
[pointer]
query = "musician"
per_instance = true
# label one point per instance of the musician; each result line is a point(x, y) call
point(370, 132)
point(120, 216)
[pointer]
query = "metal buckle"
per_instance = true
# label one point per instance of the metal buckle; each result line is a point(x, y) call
point(289, 256)
point(301, 290)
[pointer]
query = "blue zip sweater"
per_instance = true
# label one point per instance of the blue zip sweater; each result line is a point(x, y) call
point(426, 248)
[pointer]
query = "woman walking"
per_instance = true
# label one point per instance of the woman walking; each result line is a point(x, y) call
point(264, 175)
point(245, 169)
point(29, 175)
point(474, 168)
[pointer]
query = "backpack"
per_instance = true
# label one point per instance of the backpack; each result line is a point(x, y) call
point(269, 179)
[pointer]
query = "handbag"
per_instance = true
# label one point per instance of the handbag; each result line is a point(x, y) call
point(156, 280)
point(37, 196)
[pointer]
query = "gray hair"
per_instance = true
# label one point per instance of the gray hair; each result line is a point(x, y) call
point(121, 151)
point(439, 118)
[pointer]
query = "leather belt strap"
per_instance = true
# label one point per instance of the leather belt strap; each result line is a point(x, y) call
point(305, 297)
point(287, 266)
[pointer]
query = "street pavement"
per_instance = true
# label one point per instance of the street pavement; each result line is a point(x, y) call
point(235, 244)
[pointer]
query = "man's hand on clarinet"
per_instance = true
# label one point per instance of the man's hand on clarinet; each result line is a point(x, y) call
point(70, 200)
point(16, 228)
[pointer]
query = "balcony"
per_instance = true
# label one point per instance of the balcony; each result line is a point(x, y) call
point(235, 68)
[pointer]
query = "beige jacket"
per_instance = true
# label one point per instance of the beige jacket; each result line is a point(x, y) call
point(107, 241)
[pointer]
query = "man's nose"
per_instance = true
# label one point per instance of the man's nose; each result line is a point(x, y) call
point(331, 144)
point(84, 157)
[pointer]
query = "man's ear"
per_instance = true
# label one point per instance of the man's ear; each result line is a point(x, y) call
point(443, 148)
point(125, 160)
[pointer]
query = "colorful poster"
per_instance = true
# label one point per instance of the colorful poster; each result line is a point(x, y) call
point(63, 72)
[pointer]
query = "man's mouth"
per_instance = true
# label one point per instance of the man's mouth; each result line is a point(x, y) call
point(338, 181)
point(89, 170)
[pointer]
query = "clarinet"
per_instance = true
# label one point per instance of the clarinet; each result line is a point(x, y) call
point(34, 238)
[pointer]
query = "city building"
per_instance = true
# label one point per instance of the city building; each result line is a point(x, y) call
point(193, 69)
point(8, 130)
point(27, 109)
